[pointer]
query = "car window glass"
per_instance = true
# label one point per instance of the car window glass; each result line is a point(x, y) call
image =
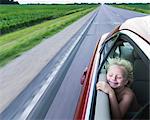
point(117, 48)
point(107, 46)
point(124, 47)
point(131, 52)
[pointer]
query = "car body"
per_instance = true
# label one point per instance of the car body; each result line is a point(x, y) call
point(131, 41)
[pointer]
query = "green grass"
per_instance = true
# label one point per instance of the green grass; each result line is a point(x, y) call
point(13, 17)
point(143, 8)
point(14, 44)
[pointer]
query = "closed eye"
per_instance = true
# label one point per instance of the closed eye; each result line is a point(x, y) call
point(110, 75)
point(119, 77)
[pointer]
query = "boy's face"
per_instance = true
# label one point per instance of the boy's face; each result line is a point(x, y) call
point(116, 76)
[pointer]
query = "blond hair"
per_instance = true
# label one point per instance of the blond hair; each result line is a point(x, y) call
point(124, 63)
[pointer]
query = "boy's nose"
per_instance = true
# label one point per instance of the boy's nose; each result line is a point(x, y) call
point(114, 77)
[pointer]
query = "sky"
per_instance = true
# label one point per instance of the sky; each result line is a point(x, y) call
point(81, 1)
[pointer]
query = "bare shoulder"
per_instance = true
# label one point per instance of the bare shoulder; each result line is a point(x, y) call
point(129, 96)
point(128, 93)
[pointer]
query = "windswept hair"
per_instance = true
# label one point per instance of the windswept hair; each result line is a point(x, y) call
point(126, 64)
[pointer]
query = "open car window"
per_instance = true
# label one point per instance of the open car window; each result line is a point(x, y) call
point(107, 46)
point(123, 47)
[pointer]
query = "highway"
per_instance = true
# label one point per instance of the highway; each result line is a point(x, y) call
point(63, 106)
point(56, 99)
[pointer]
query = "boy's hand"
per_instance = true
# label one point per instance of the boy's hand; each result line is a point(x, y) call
point(103, 86)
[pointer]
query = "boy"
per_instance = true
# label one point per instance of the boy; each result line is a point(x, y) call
point(119, 77)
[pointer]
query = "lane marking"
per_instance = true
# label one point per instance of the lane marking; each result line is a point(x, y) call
point(39, 94)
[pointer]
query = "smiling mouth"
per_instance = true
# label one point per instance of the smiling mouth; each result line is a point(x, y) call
point(113, 82)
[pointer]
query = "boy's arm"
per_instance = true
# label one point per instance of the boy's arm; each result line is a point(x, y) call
point(115, 108)
point(118, 109)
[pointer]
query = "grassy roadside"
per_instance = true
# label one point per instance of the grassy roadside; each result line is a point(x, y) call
point(15, 17)
point(14, 44)
point(143, 8)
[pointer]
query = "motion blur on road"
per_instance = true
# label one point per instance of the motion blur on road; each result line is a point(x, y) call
point(64, 104)
point(63, 97)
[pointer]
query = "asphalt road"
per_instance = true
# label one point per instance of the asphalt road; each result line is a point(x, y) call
point(19, 73)
point(64, 104)
point(27, 71)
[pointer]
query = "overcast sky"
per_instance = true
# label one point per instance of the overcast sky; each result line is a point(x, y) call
point(81, 1)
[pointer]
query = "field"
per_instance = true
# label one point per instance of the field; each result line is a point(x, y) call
point(13, 17)
point(13, 44)
point(139, 7)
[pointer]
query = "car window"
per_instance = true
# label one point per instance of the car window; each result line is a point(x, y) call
point(124, 50)
point(125, 47)
point(106, 48)
point(109, 44)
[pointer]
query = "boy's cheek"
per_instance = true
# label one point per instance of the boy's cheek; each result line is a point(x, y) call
point(107, 78)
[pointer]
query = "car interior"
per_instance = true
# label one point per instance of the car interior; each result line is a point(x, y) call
point(125, 48)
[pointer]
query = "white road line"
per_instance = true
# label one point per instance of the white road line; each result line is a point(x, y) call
point(39, 94)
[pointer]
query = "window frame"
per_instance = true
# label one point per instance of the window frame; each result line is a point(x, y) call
point(125, 38)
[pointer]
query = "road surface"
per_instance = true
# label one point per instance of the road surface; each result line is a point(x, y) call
point(64, 104)
point(16, 75)
point(19, 73)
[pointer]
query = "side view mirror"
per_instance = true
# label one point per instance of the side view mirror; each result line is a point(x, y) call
point(83, 76)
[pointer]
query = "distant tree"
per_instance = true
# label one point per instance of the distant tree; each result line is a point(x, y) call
point(4, 1)
point(8, 2)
